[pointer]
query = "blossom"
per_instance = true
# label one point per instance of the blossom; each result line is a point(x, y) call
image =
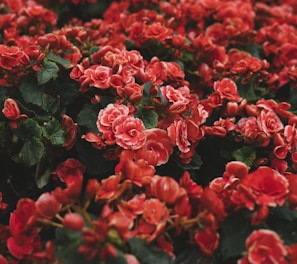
point(129, 132)
point(157, 148)
point(264, 246)
point(227, 89)
point(267, 186)
point(12, 112)
point(106, 118)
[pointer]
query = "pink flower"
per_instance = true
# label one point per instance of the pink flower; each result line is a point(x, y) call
point(129, 132)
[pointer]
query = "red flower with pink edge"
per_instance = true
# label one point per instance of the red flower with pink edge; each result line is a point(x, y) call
point(264, 246)
point(157, 148)
point(129, 132)
point(227, 89)
point(178, 135)
point(70, 167)
point(178, 98)
point(99, 76)
point(105, 120)
point(12, 112)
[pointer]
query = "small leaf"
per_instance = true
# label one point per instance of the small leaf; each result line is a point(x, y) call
point(54, 132)
point(88, 117)
point(48, 71)
point(28, 130)
point(245, 154)
point(147, 253)
point(43, 179)
point(195, 163)
point(57, 59)
point(148, 117)
point(31, 152)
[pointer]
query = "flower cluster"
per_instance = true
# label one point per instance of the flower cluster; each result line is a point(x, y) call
point(148, 131)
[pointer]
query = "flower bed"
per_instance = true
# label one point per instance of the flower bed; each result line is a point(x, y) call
point(148, 131)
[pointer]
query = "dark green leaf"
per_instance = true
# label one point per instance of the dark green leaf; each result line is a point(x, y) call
point(28, 130)
point(255, 50)
point(284, 212)
point(245, 154)
point(57, 59)
point(48, 72)
point(147, 253)
point(88, 117)
point(68, 90)
point(235, 229)
point(246, 91)
point(148, 117)
point(54, 132)
point(283, 221)
point(31, 152)
point(31, 93)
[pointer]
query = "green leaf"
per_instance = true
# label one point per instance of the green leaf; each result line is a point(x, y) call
point(88, 116)
point(284, 212)
point(48, 71)
point(31, 93)
point(148, 117)
point(28, 130)
point(246, 91)
point(43, 179)
point(147, 253)
point(234, 231)
point(31, 152)
point(68, 90)
point(255, 50)
point(283, 221)
point(57, 59)
point(54, 132)
point(245, 154)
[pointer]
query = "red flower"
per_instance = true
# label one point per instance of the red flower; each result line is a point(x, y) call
point(208, 240)
point(129, 132)
point(70, 167)
point(157, 148)
point(264, 246)
point(11, 57)
point(178, 101)
point(292, 196)
point(73, 221)
point(12, 112)
point(70, 130)
point(158, 32)
point(267, 186)
point(136, 170)
point(164, 188)
point(47, 205)
point(23, 220)
point(227, 89)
